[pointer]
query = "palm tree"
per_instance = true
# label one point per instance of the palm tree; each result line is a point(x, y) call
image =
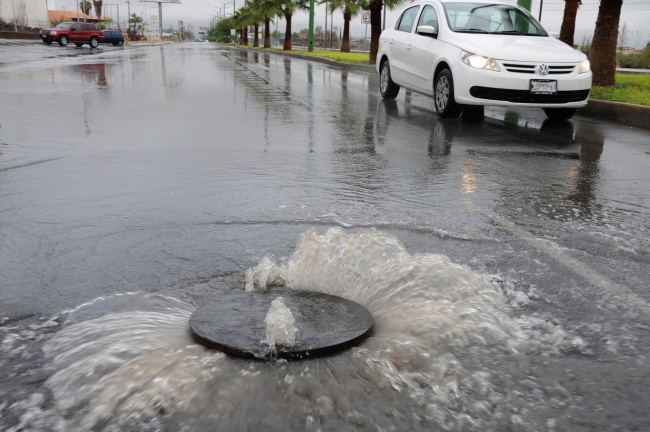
point(85, 6)
point(254, 15)
point(238, 22)
point(569, 21)
point(603, 46)
point(287, 8)
point(350, 8)
point(375, 7)
point(269, 9)
point(98, 8)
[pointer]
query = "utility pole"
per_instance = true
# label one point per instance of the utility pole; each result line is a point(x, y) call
point(310, 37)
point(128, 6)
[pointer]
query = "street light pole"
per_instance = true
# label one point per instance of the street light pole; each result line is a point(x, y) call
point(310, 37)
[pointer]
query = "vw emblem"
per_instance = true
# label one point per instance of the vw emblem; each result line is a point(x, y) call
point(542, 69)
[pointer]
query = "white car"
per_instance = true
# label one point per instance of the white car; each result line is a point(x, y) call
point(468, 54)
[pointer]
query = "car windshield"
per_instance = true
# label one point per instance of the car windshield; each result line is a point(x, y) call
point(492, 19)
point(64, 25)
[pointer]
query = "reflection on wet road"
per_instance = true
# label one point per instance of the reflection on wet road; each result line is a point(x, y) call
point(172, 169)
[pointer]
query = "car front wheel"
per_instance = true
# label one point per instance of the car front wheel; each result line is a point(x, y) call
point(446, 105)
point(94, 43)
point(559, 113)
point(63, 40)
point(387, 87)
point(120, 43)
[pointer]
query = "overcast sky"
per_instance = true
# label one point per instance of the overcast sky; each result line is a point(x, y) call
point(635, 14)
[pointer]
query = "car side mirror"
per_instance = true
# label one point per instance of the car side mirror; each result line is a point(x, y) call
point(427, 30)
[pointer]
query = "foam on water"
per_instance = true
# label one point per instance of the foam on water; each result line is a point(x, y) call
point(280, 325)
point(440, 329)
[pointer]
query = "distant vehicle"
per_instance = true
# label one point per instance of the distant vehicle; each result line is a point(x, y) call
point(78, 33)
point(114, 37)
point(468, 54)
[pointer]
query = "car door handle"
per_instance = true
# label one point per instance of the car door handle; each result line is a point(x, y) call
point(408, 47)
point(392, 41)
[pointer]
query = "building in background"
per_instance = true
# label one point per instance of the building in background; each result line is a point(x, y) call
point(26, 13)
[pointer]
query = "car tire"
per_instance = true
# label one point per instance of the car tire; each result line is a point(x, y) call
point(120, 43)
point(63, 40)
point(79, 44)
point(559, 113)
point(388, 89)
point(443, 90)
point(94, 42)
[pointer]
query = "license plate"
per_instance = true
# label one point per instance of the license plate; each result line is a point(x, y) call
point(543, 86)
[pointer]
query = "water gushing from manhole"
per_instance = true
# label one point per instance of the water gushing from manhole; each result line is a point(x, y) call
point(446, 353)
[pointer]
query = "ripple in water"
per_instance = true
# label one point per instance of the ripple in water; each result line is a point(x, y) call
point(129, 363)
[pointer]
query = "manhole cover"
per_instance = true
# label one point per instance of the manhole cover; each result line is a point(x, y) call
point(324, 323)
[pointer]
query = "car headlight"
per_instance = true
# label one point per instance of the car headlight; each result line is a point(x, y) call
point(585, 66)
point(478, 61)
point(53, 33)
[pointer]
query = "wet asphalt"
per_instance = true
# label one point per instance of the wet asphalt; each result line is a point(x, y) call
point(145, 167)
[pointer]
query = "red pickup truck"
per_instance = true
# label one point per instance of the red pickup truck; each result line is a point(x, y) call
point(77, 32)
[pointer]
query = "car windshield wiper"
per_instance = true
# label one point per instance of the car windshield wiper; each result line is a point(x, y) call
point(512, 32)
point(471, 30)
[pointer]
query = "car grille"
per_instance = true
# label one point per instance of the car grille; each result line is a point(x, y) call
point(530, 68)
point(524, 96)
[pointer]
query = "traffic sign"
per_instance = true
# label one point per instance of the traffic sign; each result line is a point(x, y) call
point(365, 17)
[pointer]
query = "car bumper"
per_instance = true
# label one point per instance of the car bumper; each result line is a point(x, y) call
point(505, 88)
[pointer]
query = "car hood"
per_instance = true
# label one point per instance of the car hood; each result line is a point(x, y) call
point(518, 48)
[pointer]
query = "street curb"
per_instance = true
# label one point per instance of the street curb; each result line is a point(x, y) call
point(618, 112)
point(350, 67)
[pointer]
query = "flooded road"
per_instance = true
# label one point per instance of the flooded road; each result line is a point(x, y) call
point(505, 261)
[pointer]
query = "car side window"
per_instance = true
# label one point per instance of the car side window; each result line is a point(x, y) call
point(86, 27)
point(75, 27)
point(407, 19)
point(429, 17)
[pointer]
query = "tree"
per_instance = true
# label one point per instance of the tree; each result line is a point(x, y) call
point(269, 9)
point(287, 8)
point(135, 25)
point(349, 8)
point(221, 31)
point(568, 28)
point(85, 6)
point(375, 7)
point(253, 16)
point(98, 8)
point(603, 45)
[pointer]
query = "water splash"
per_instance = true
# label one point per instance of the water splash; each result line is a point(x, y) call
point(280, 325)
point(447, 354)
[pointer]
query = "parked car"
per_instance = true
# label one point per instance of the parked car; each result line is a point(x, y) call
point(114, 37)
point(468, 54)
point(77, 32)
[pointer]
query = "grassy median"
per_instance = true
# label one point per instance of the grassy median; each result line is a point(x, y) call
point(343, 57)
point(629, 88)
